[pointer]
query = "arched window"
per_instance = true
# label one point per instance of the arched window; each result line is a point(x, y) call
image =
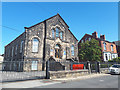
point(89, 38)
point(53, 33)
point(16, 49)
point(104, 46)
point(35, 45)
point(21, 46)
point(112, 48)
point(12, 51)
point(72, 50)
point(61, 35)
point(57, 32)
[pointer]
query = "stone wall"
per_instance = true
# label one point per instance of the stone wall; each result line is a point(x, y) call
point(31, 33)
point(67, 73)
point(104, 70)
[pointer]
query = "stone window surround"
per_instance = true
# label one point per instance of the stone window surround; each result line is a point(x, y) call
point(60, 30)
point(53, 48)
point(16, 48)
point(73, 49)
point(12, 51)
point(21, 46)
point(32, 43)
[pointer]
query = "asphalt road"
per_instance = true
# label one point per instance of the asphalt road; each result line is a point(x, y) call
point(110, 81)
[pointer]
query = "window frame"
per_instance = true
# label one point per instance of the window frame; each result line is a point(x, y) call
point(21, 46)
point(72, 50)
point(16, 48)
point(61, 35)
point(57, 32)
point(112, 48)
point(33, 47)
point(105, 46)
point(106, 56)
point(12, 51)
point(53, 32)
point(82, 41)
point(89, 38)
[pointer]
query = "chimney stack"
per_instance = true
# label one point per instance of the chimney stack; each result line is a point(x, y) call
point(102, 37)
point(95, 34)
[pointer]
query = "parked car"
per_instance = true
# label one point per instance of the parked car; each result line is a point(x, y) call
point(115, 69)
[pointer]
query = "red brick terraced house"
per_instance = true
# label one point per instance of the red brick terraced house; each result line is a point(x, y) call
point(108, 48)
point(118, 47)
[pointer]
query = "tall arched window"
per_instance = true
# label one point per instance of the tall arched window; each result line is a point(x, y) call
point(104, 46)
point(112, 48)
point(21, 46)
point(12, 51)
point(35, 45)
point(53, 33)
point(16, 49)
point(72, 50)
point(61, 35)
point(57, 32)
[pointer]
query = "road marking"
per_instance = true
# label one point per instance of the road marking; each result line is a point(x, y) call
point(101, 80)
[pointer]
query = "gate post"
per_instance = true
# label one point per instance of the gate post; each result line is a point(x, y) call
point(98, 67)
point(89, 68)
point(47, 70)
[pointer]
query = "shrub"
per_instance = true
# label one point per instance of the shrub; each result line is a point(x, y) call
point(115, 60)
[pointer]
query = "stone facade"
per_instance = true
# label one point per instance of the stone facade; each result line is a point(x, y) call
point(60, 48)
point(108, 53)
point(67, 74)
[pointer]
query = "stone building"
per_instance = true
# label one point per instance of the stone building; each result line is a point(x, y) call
point(108, 48)
point(39, 42)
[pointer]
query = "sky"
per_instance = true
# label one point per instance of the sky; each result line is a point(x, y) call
point(81, 17)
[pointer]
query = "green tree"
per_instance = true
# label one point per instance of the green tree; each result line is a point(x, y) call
point(90, 51)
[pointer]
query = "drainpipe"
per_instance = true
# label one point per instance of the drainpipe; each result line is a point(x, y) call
point(44, 44)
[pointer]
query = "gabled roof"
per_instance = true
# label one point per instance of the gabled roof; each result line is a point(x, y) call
point(51, 18)
point(15, 39)
point(46, 20)
point(95, 38)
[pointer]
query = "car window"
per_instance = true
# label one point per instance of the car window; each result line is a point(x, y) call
point(116, 66)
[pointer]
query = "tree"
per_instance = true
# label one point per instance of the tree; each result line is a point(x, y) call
point(90, 51)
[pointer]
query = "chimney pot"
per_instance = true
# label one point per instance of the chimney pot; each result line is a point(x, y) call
point(102, 37)
point(95, 34)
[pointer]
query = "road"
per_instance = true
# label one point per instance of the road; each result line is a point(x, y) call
point(110, 81)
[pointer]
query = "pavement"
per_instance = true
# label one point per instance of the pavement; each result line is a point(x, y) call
point(46, 83)
point(102, 81)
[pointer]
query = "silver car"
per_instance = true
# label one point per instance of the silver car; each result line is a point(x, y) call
point(115, 69)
